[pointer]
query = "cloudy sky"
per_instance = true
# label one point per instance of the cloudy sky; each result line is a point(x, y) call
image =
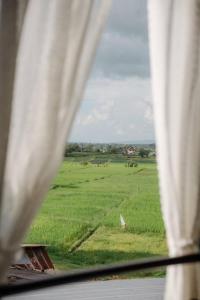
point(117, 103)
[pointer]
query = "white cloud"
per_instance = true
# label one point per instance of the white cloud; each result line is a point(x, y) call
point(120, 132)
point(86, 120)
point(117, 101)
point(115, 110)
point(149, 114)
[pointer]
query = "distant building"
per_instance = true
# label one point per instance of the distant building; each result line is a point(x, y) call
point(130, 150)
point(104, 150)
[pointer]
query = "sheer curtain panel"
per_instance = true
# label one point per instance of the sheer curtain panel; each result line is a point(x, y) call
point(174, 33)
point(46, 51)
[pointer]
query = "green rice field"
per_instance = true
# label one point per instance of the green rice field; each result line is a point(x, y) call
point(80, 218)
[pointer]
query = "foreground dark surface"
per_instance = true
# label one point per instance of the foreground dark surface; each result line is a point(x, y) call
point(134, 289)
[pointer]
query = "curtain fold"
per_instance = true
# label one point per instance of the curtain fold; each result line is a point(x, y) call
point(174, 34)
point(46, 50)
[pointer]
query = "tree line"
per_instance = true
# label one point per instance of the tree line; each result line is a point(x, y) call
point(127, 150)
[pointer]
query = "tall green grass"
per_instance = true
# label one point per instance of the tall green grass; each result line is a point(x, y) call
point(79, 218)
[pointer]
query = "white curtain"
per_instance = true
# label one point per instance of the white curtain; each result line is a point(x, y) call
point(174, 33)
point(46, 51)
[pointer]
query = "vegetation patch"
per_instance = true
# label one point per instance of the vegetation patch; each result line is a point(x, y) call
point(80, 219)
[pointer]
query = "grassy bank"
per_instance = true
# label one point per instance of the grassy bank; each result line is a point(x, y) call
point(80, 218)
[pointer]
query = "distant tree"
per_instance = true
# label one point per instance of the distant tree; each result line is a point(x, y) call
point(72, 147)
point(84, 163)
point(113, 150)
point(88, 148)
point(132, 164)
point(144, 152)
point(109, 148)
